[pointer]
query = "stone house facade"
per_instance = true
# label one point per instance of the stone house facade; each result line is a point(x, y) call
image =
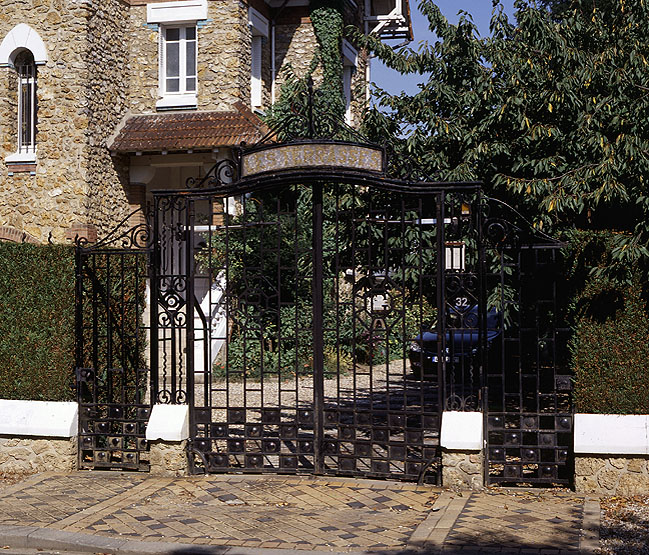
point(102, 101)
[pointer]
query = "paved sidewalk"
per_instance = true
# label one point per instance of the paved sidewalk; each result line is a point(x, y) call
point(111, 512)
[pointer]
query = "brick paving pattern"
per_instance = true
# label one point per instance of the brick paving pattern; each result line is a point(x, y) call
point(547, 521)
point(269, 511)
point(303, 513)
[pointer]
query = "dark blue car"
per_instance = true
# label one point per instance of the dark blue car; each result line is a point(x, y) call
point(461, 343)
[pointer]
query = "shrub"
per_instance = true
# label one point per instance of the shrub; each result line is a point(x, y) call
point(610, 345)
point(36, 322)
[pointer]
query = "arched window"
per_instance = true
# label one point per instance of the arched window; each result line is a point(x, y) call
point(21, 51)
point(26, 73)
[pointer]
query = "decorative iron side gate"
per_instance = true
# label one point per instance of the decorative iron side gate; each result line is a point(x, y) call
point(286, 309)
point(528, 383)
point(112, 335)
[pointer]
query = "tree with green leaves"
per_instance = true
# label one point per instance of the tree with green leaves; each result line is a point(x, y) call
point(547, 111)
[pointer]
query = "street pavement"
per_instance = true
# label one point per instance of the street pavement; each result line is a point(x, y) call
point(114, 512)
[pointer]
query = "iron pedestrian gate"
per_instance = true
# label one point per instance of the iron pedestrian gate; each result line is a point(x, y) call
point(319, 321)
point(112, 334)
point(527, 378)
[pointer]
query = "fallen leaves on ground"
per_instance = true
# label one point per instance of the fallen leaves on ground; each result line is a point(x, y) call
point(624, 528)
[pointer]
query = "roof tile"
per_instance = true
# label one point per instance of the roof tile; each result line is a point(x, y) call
point(180, 131)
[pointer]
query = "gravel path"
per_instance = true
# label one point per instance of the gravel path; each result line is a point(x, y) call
point(389, 387)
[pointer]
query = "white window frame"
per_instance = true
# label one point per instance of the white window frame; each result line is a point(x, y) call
point(350, 61)
point(182, 98)
point(259, 27)
point(28, 80)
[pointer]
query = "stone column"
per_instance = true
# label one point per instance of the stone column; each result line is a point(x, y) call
point(462, 443)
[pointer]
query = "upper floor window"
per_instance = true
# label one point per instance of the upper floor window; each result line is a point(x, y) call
point(259, 31)
point(350, 61)
point(178, 71)
point(178, 23)
point(26, 77)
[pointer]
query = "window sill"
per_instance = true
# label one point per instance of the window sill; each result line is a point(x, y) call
point(177, 102)
point(21, 158)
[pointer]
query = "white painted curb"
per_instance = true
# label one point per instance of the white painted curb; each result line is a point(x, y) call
point(38, 418)
point(462, 431)
point(612, 434)
point(168, 423)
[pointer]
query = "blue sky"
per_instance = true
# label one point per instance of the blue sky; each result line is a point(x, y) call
point(479, 9)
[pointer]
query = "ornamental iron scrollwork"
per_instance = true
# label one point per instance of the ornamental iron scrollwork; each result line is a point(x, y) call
point(124, 235)
point(223, 172)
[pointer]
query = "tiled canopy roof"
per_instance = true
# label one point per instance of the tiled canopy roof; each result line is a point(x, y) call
point(182, 131)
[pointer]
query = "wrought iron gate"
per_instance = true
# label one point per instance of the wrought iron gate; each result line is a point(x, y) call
point(528, 383)
point(320, 320)
point(285, 314)
point(112, 334)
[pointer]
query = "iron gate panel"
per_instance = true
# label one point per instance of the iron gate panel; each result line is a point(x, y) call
point(293, 351)
point(529, 428)
point(112, 372)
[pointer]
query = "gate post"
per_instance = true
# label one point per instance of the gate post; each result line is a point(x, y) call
point(154, 277)
point(78, 321)
point(318, 348)
point(441, 300)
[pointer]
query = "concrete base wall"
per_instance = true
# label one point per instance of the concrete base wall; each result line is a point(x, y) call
point(462, 469)
point(612, 475)
point(168, 458)
point(27, 455)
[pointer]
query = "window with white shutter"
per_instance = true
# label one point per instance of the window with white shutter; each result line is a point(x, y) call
point(259, 30)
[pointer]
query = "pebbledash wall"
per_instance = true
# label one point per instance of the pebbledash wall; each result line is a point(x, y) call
point(81, 96)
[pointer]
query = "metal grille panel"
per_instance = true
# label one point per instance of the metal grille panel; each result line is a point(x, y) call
point(529, 401)
point(112, 368)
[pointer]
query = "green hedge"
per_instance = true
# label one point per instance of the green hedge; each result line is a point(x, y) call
point(36, 322)
point(610, 346)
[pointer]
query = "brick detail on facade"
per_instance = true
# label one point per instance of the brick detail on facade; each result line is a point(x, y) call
point(82, 231)
point(16, 236)
point(136, 204)
point(21, 168)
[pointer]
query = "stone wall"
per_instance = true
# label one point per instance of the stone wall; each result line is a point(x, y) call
point(78, 92)
point(106, 103)
point(608, 475)
point(462, 469)
point(30, 455)
point(295, 45)
point(224, 57)
point(52, 197)
point(168, 458)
